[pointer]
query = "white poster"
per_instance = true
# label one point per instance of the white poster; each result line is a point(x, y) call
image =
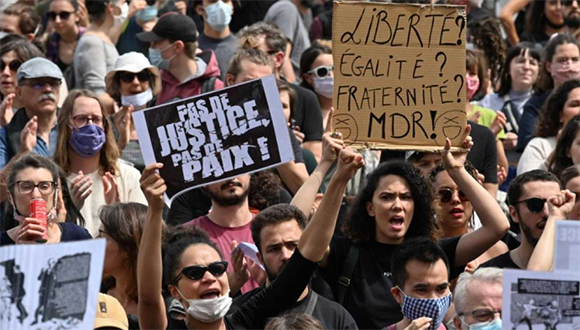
point(50, 286)
point(540, 300)
point(567, 253)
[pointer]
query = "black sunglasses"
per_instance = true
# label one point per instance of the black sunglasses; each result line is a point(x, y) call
point(128, 77)
point(64, 15)
point(446, 194)
point(14, 65)
point(567, 3)
point(196, 272)
point(534, 204)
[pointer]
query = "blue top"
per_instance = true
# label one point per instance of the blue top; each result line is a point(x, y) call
point(70, 232)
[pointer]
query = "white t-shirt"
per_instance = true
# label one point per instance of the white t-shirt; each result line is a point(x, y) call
point(129, 191)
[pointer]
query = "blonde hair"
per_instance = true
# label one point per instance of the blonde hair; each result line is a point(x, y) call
point(109, 153)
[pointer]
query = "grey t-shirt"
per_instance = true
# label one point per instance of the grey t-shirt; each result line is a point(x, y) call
point(93, 59)
point(224, 50)
point(288, 19)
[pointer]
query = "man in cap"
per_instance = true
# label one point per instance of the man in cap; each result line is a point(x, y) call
point(173, 49)
point(33, 127)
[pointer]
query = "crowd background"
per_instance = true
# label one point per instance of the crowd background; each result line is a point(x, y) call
point(347, 239)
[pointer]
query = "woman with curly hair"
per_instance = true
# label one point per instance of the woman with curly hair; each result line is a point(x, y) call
point(562, 105)
point(567, 152)
point(486, 35)
point(396, 205)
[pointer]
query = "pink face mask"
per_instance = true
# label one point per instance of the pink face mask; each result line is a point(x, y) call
point(472, 83)
point(562, 72)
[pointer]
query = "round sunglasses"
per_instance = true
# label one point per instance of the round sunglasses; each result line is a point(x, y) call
point(13, 65)
point(322, 71)
point(197, 272)
point(534, 204)
point(129, 77)
point(446, 194)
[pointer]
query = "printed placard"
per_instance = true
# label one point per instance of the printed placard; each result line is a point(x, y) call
point(215, 136)
point(399, 74)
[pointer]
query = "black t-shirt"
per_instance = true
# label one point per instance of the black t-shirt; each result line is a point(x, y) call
point(368, 298)
point(307, 114)
point(501, 261)
point(483, 154)
point(331, 314)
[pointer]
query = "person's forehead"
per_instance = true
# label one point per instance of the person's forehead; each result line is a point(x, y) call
point(444, 180)
point(422, 272)
point(9, 56)
point(259, 70)
point(86, 105)
point(539, 189)
point(199, 254)
point(482, 295)
point(566, 50)
point(30, 173)
point(61, 5)
point(9, 23)
point(284, 231)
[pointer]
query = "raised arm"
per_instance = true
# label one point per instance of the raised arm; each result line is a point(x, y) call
point(331, 145)
point(506, 17)
point(149, 263)
point(559, 207)
point(493, 220)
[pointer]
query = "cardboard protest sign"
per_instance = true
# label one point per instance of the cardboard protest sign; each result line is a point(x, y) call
point(399, 74)
point(540, 300)
point(50, 286)
point(215, 136)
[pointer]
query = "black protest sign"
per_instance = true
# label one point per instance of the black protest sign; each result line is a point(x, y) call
point(399, 74)
point(215, 136)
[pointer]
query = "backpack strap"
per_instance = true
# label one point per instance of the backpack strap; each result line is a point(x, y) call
point(347, 271)
point(208, 85)
point(512, 116)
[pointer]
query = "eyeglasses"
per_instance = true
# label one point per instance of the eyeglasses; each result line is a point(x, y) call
point(196, 272)
point(482, 314)
point(26, 187)
point(83, 120)
point(13, 66)
point(64, 15)
point(129, 77)
point(446, 194)
point(534, 204)
point(322, 71)
point(567, 3)
point(39, 84)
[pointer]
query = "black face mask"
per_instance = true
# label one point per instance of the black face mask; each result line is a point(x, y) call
point(308, 3)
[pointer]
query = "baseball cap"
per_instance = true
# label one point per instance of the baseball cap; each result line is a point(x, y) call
point(110, 313)
point(172, 26)
point(38, 67)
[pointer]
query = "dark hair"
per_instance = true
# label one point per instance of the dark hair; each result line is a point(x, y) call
point(441, 168)
point(475, 60)
point(21, 46)
point(124, 223)
point(513, 52)
point(486, 35)
point(255, 56)
point(549, 123)
point(264, 188)
point(569, 174)
point(34, 161)
point(515, 188)
point(74, 3)
point(97, 10)
point(421, 249)
point(249, 37)
point(28, 18)
point(536, 18)
point(545, 81)
point(176, 241)
point(284, 86)
point(308, 57)
point(359, 226)
point(561, 160)
point(274, 215)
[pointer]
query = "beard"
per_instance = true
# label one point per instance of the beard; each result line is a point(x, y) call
point(228, 200)
point(572, 21)
point(527, 231)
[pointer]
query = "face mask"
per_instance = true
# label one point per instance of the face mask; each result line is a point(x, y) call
point(120, 19)
point(493, 325)
point(208, 310)
point(472, 85)
point(324, 86)
point(219, 15)
point(434, 308)
point(562, 72)
point(137, 100)
point(156, 58)
point(147, 14)
point(87, 140)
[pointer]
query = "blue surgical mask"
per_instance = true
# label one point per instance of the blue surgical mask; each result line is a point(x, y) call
point(156, 58)
point(87, 141)
point(219, 15)
point(147, 14)
point(434, 308)
point(493, 325)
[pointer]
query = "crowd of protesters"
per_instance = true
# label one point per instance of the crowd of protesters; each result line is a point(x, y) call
point(346, 239)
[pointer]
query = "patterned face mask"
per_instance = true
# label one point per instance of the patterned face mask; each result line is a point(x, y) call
point(434, 308)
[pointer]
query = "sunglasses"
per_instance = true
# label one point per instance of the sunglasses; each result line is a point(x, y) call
point(322, 71)
point(64, 15)
point(445, 195)
point(534, 204)
point(197, 272)
point(13, 66)
point(567, 3)
point(129, 77)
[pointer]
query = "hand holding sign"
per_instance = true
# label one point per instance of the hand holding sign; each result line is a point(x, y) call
point(456, 161)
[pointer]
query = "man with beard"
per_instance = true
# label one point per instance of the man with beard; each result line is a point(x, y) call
point(527, 196)
point(228, 223)
point(33, 127)
point(276, 231)
point(571, 12)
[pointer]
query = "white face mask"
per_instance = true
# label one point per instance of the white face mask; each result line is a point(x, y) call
point(120, 19)
point(324, 86)
point(137, 100)
point(219, 15)
point(208, 310)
